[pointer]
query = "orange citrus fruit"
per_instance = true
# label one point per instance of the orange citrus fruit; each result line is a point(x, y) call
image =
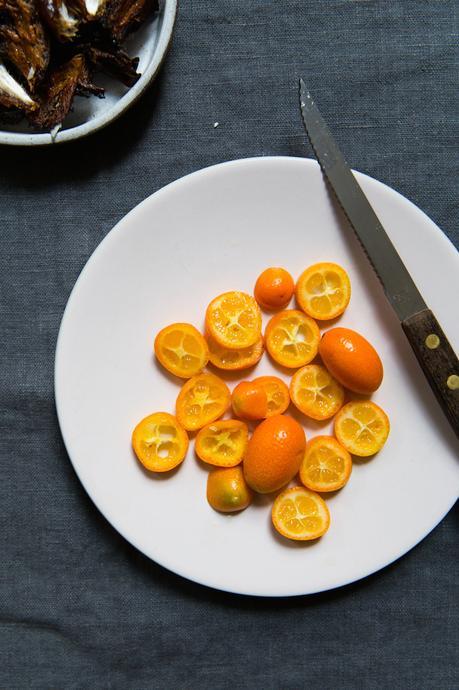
point(222, 443)
point(234, 320)
point(203, 399)
point(274, 453)
point(276, 392)
point(315, 392)
point(362, 427)
point(227, 490)
point(351, 359)
point(292, 338)
point(181, 349)
point(233, 360)
point(160, 442)
point(326, 465)
point(323, 290)
point(274, 288)
point(300, 514)
point(249, 400)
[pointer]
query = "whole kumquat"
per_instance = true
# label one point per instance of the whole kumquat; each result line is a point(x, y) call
point(274, 288)
point(352, 360)
point(274, 453)
point(227, 490)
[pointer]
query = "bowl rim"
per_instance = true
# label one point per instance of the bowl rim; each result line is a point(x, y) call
point(168, 8)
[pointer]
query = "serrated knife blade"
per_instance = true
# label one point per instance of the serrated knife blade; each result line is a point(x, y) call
point(430, 345)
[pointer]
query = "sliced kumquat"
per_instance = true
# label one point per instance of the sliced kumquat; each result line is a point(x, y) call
point(233, 360)
point(292, 338)
point(222, 443)
point(159, 442)
point(300, 514)
point(326, 465)
point(362, 427)
point(234, 320)
point(181, 349)
point(203, 399)
point(323, 290)
point(277, 394)
point(315, 392)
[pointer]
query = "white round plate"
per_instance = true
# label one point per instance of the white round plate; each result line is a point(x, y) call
point(214, 231)
point(150, 43)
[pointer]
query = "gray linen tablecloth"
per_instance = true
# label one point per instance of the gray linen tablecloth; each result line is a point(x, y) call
point(80, 607)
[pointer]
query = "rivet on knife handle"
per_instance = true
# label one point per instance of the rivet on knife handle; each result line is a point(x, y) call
point(437, 359)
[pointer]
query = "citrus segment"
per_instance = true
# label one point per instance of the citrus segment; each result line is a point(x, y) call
point(222, 443)
point(159, 442)
point(292, 338)
point(249, 400)
point(277, 394)
point(362, 427)
point(326, 465)
point(227, 490)
point(315, 392)
point(323, 290)
point(203, 399)
point(300, 514)
point(234, 320)
point(274, 453)
point(352, 360)
point(233, 360)
point(181, 349)
point(274, 288)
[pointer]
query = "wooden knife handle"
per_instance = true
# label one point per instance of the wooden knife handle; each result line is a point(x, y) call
point(438, 361)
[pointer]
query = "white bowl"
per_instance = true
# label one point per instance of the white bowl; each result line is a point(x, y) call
point(150, 44)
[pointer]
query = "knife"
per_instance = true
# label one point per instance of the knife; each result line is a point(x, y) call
point(430, 345)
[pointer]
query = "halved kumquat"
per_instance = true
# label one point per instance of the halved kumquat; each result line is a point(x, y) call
point(323, 290)
point(222, 443)
point(233, 319)
point(203, 399)
point(277, 394)
point(326, 465)
point(234, 360)
point(362, 427)
point(300, 514)
point(182, 350)
point(315, 392)
point(292, 338)
point(159, 442)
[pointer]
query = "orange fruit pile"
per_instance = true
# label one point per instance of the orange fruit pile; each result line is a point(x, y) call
point(266, 457)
